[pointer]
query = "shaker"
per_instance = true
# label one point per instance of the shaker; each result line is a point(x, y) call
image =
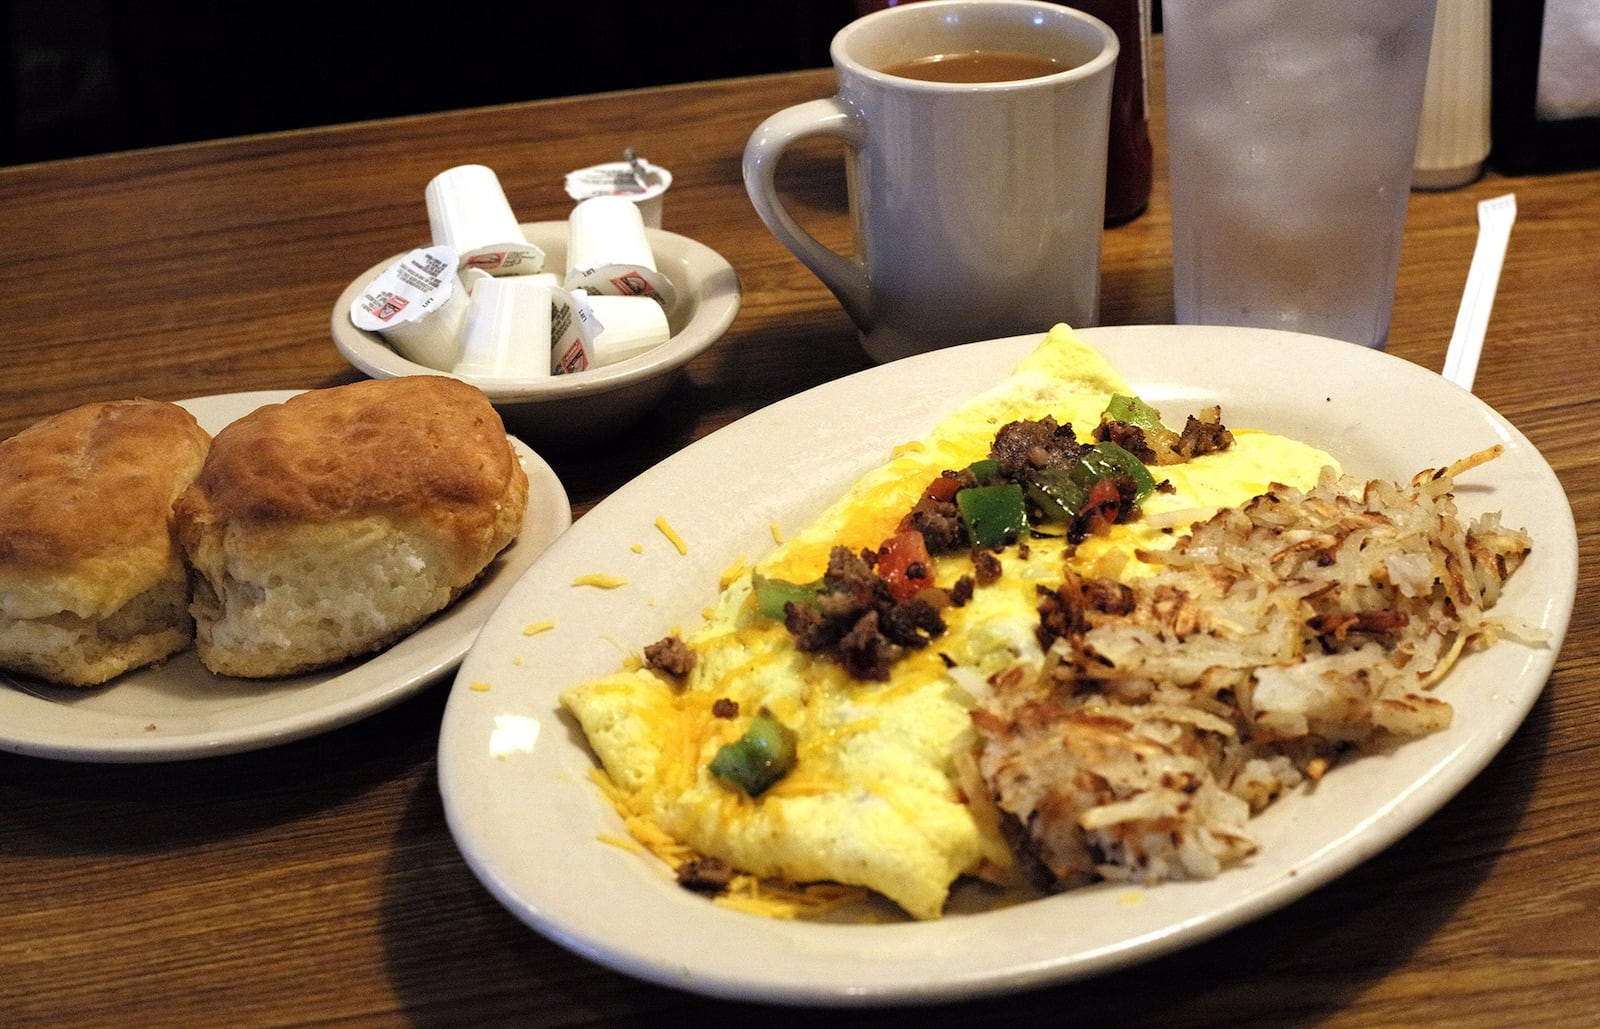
point(1453, 137)
point(1128, 161)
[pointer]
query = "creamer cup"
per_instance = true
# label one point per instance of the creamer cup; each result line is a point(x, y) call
point(468, 211)
point(418, 306)
point(645, 186)
point(609, 253)
point(507, 330)
point(621, 327)
point(607, 230)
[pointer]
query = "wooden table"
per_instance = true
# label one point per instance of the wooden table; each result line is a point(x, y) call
point(317, 883)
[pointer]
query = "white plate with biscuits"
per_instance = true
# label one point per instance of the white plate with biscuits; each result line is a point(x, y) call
point(178, 710)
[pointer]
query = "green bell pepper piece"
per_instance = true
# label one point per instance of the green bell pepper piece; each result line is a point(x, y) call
point(1104, 460)
point(1055, 495)
point(1123, 408)
point(759, 758)
point(992, 515)
point(773, 594)
point(984, 470)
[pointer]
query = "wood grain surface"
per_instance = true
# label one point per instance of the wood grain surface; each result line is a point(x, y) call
point(317, 883)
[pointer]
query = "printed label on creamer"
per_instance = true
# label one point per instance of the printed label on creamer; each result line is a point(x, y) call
point(506, 261)
point(407, 290)
point(617, 178)
point(572, 359)
point(572, 334)
point(623, 280)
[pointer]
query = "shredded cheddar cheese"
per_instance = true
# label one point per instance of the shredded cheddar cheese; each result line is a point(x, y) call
point(626, 843)
point(746, 893)
point(535, 628)
point(605, 582)
point(671, 534)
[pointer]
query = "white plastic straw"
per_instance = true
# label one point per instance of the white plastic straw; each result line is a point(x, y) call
point(1483, 277)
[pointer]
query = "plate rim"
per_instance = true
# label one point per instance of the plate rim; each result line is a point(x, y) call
point(1396, 815)
point(548, 500)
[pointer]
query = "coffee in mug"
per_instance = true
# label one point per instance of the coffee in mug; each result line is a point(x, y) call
point(976, 66)
point(978, 206)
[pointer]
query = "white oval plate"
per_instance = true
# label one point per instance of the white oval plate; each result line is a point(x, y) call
point(179, 710)
point(513, 767)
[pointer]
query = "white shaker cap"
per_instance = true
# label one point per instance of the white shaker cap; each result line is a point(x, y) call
point(1453, 136)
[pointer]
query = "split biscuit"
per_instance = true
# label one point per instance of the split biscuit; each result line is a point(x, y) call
point(92, 583)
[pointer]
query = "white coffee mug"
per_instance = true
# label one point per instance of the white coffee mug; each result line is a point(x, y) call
point(978, 206)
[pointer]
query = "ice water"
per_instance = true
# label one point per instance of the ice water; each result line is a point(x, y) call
point(1292, 125)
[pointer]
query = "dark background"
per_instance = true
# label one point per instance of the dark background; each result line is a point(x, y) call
point(93, 76)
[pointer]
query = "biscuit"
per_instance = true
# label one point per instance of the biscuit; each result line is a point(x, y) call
point(331, 525)
point(92, 583)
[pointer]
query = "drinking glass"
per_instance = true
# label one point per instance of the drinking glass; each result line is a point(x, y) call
point(1292, 127)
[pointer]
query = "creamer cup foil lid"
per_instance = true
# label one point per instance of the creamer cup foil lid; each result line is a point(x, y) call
point(638, 180)
point(417, 305)
point(624, 280)
point(409, 290)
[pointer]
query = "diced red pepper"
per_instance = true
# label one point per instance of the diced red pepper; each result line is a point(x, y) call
point(1103, 507)
point(940, 491)
point(904, 564)
point(943, 488)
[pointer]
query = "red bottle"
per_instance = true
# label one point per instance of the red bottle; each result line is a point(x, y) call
point(1128, 160)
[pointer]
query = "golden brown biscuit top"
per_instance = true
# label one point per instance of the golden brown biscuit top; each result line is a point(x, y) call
point(423, 446)
point(96, 482)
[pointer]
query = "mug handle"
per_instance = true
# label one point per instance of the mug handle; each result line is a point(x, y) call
point(832, 118)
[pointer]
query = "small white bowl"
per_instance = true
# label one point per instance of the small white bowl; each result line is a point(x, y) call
point(596, 402)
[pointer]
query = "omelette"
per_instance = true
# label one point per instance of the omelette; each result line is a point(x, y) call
point(875, 790)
